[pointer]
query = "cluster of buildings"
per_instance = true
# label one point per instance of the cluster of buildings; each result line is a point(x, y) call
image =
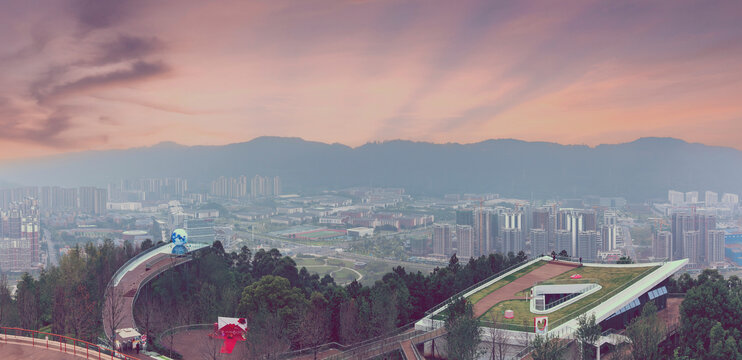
point(19, 235)
point(368, 218)
point(692, 230)
point(693, 236)
point(710, 198)
point(532, 230)
point(147, 189)
point(240, 187)
point(86, 199)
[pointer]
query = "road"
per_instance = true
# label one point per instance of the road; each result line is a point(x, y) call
point(628, 242)
point(52, 251)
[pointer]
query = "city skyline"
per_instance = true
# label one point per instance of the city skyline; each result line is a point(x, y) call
point(94, 76)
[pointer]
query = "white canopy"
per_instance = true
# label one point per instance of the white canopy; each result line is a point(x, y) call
point(224, 321)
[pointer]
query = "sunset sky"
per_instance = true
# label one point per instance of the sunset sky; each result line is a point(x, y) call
point(79, 75)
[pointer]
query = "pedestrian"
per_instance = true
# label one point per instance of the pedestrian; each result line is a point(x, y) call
point(138, 347)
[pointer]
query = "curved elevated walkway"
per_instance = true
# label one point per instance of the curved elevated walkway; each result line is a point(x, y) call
point(134, 274)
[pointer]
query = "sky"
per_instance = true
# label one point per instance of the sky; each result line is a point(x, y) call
point(94, 75)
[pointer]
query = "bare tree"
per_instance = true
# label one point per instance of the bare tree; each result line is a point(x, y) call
point(210, 348)
point(5, 300)
point(350, 330)
point(113, 311)
point(267, 337)
point(147, 310)
point(315, 325)
point(499, 340)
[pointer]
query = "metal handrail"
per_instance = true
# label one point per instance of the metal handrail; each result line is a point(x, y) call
point(77, 347)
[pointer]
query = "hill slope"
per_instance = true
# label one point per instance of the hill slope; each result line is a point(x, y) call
point(645, 168)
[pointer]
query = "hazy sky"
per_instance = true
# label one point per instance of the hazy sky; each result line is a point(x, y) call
point(96, 74)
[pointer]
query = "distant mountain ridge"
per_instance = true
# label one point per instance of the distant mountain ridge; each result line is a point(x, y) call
point(638, 170)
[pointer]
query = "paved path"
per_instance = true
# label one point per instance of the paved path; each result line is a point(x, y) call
point(509, 291)
point(22, 347)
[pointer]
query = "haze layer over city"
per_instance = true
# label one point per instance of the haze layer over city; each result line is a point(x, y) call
point(370, 179)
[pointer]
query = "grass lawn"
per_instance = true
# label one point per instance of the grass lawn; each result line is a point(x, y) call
point(612, 281)
point(479, 295)
point(303, 261)
point(344, 276)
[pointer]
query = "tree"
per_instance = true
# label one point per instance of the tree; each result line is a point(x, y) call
point(498, 342)
point(624, 260)
point(646, 332)
point(146, 244)
point(350, 329)
point(705, 305)
point(113, 311)
point(563, 253)
point(588, 332)
point(722, 344)
point(210, 348)
point(27, 298)
point(267, 336)
point(80, 317)
point(315, 326)
point(274, 295)
point(8, 311)
point(546, 347)
point(463, 333)
point(685, 282)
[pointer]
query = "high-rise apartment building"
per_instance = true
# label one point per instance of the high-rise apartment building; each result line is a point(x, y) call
point(543, 219)
point(691, 197)
point(512, 240)
point(587, 245)
point(442, 239)
point(200, 230)
point(465, 217)
point(675, 197)
point(539, 242)
point(19, 235)
point(575, 221)
point(715, 247)
point(732, 199)
point(609, 237)
point(93, 200)
point(691, 244)
point(265, 186)
point(229, 187)
point(486, 231)
point(711, 198)
point(563, 240)
point(662, 245)
point(465, 241)
point(681, 222)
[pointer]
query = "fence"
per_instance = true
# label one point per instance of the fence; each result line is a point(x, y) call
point(61, 343)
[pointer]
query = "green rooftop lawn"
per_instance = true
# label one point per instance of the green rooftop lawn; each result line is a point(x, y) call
point(479, 295)
point(612, 280)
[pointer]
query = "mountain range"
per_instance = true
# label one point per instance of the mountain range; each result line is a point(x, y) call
point(639, 170)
